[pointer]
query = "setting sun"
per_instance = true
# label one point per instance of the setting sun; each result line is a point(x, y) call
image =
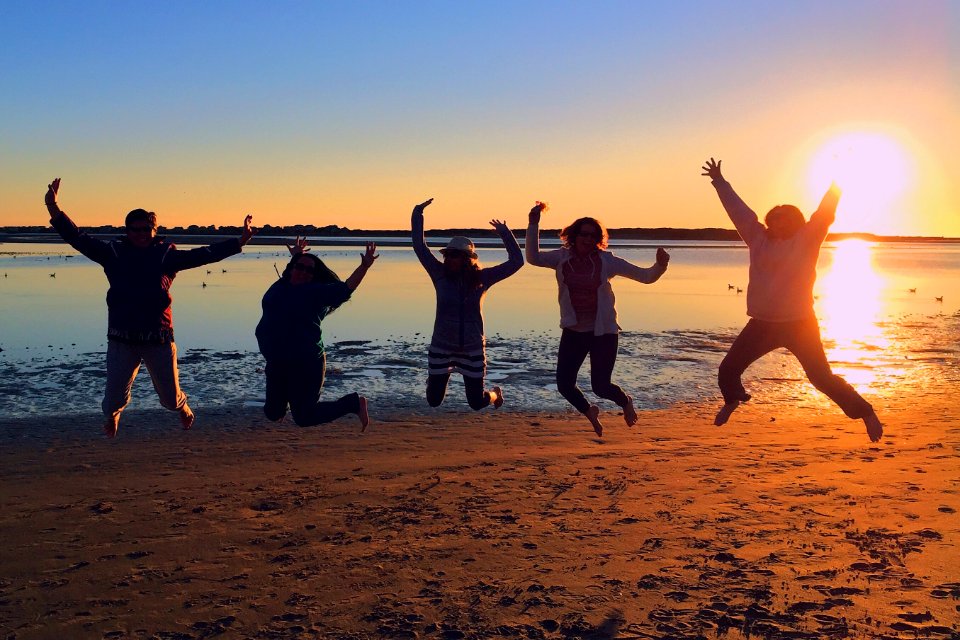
point(874, 171)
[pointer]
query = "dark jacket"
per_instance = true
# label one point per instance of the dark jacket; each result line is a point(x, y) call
point(138, 300)
point(290, 326)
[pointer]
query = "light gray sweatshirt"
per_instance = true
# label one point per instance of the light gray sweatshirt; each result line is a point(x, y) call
point(782, 271)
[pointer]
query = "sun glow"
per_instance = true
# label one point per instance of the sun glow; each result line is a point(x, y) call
point(875, 173)
point(849, 305)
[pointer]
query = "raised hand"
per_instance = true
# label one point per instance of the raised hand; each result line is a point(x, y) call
point(712, 168)
point(538, 208)
point(662, 257)
point(366, 260)
point(500, 226)
point(50, 199)
point(299, 246)
point(418, 210)
point(248, 230)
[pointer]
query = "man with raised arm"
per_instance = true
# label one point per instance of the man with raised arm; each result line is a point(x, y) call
point(140, 268)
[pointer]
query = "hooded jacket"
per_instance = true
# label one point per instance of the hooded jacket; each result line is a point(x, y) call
point(782, 271)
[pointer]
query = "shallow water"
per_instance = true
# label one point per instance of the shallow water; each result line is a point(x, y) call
point(882, 337)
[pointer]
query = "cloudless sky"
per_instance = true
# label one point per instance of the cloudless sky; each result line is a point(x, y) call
point(349, 113)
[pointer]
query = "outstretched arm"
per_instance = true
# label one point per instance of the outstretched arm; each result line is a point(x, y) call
point(492, 275)
point(248, 230)
point(826, 213)
point(366, 261)
point(532, 239)
point(427, 259)
point(50, 199)
point(179, 259)
point(647, 275)
point(97, 250)
point(742, 216)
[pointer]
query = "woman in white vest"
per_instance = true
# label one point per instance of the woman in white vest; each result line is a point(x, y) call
point(588, 314)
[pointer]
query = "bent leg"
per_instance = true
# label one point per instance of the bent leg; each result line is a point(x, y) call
point(437, 388)
point(603, 356)
point(322, 412)
point(806, 345)
point(161, 361)
point(123, 364)
point(306, 384)
point(477, 397)
point(277, 393)
point(573, 350)
point(757, 339)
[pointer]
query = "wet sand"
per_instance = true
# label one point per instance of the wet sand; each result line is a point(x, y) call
point(785, 523)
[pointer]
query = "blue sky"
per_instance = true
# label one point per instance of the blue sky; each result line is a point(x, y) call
point(350, 112)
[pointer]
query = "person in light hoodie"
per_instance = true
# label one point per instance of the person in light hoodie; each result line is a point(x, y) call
point(783, 270)
point(588, 314)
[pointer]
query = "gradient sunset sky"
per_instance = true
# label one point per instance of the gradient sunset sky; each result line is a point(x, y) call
point(349, 113)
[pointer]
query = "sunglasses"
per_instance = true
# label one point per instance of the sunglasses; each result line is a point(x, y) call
point(303, 267)
point(140, 229)
point(589, 234)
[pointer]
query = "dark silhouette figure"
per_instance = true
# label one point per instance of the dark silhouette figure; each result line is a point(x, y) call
point(140, 268)
point(291, 339)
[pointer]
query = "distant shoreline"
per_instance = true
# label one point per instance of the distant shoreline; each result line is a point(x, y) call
point(333, 236)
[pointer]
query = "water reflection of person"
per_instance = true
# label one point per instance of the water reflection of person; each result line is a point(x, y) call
point(140, 268)
point(458, 344)
point(783, 269)
point(588, 314)
point(291, 338)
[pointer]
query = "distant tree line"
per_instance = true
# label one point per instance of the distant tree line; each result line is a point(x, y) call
point(335, 231)
point(29, 233)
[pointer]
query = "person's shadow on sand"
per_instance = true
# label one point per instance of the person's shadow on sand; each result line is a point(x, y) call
point(606, 630)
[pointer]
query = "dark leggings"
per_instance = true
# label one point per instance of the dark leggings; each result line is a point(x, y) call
point(299, 384)
point(477, 398)
point(802, 338)
point(574, 347)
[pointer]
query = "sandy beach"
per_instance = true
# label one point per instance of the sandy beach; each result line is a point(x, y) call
point(786, 523)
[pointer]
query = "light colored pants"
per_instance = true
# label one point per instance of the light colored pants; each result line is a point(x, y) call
point(123, 364)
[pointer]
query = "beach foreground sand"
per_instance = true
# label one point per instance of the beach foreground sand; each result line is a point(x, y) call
point(786, 523)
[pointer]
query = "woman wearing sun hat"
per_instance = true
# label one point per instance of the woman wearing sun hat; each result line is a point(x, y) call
point(458, 344)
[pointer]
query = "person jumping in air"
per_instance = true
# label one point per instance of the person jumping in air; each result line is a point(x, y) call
point(458, 344)
point(291, 339)
point(140, 268)
point(588, 314)
point(783, 269)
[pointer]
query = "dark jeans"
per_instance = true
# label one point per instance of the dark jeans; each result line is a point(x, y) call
point(299, 384)
point(477, 398)
point(802, 338)
point(574, 347)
